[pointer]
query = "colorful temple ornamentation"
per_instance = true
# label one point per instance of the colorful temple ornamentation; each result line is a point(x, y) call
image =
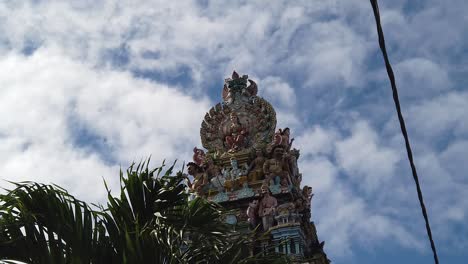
point(250, 168)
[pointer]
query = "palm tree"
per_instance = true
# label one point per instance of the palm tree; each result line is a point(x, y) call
point(151, 221)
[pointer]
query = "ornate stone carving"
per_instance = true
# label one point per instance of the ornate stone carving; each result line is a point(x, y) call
point(276, 169)
point(292, 158)
point(198, 156)
point(243, 121)
point(235, 89)
point(252, 213)
point(267, 208)
point(255, 171)
point(199, 178)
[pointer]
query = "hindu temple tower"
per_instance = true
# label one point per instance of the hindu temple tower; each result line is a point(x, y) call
point(250, 167)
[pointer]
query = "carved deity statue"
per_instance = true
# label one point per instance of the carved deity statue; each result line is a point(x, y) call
point(277, 167)
point(235, 88)
point(255, 170)
point(198, 156)
point(226, 173)
point(307, 194)
point(211, 169)
point(291, 158)
point(302, 203)
point(252, 213)
point(241, 122)
point(199, 178)
point(281, 138)
point(236, 134)
point(267, 208)
point(235, 170)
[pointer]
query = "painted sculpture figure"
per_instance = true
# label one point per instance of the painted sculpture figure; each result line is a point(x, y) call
point(267, 208)
point(235, 170)
point(281, 138)
point(276, 168)
point(211, 169)
point(252, 213)
point(236, 136)
point(199, 177)
point(255, 170)
point(198, 156)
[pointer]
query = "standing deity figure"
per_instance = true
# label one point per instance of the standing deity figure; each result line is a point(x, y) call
point(213, 174)
point(255, 170)
point(199, 178)
point(236, 134)
point(267, 208)
point(307, 196)
point(292, 157)
point(276, 167)
point(252, 213)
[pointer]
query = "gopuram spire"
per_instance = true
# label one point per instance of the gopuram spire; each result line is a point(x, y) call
point(250, 168)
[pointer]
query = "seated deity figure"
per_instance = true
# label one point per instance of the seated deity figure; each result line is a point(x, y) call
point(228, 179)
point(199, 178)
point(235, 170)
point(236, 134)
point(226, 174)
point(213, 174)
point(277, 167)
point(211, 169)
point(267, 208)
point(218, 183)
point(255, 170)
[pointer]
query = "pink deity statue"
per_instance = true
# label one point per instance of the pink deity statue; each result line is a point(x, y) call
point(252, 213)
point(236, 134)
point(277, 167)
point(281, 138)
point(267, 208)
point(199, 178)
point(198, 156)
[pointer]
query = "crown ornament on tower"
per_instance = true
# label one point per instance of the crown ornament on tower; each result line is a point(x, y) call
point(235, 89)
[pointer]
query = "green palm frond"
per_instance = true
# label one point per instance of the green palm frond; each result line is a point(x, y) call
point(44, 224)
point(151, 220)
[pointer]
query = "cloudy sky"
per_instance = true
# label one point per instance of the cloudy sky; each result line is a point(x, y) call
point(87, 87)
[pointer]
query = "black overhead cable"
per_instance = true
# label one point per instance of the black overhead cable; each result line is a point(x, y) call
point(391, 76)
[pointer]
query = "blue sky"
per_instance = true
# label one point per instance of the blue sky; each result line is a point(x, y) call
point(87, 87)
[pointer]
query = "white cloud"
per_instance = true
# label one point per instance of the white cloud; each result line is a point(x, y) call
point(345, 220)
point(317, 140)
point(318, 172)
point(332, 54)
point(420, 78)
point(454, 160)
point(433, 119)
point(45, 95)
point(163, 37)
point(277, 92)
point(361, 156)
